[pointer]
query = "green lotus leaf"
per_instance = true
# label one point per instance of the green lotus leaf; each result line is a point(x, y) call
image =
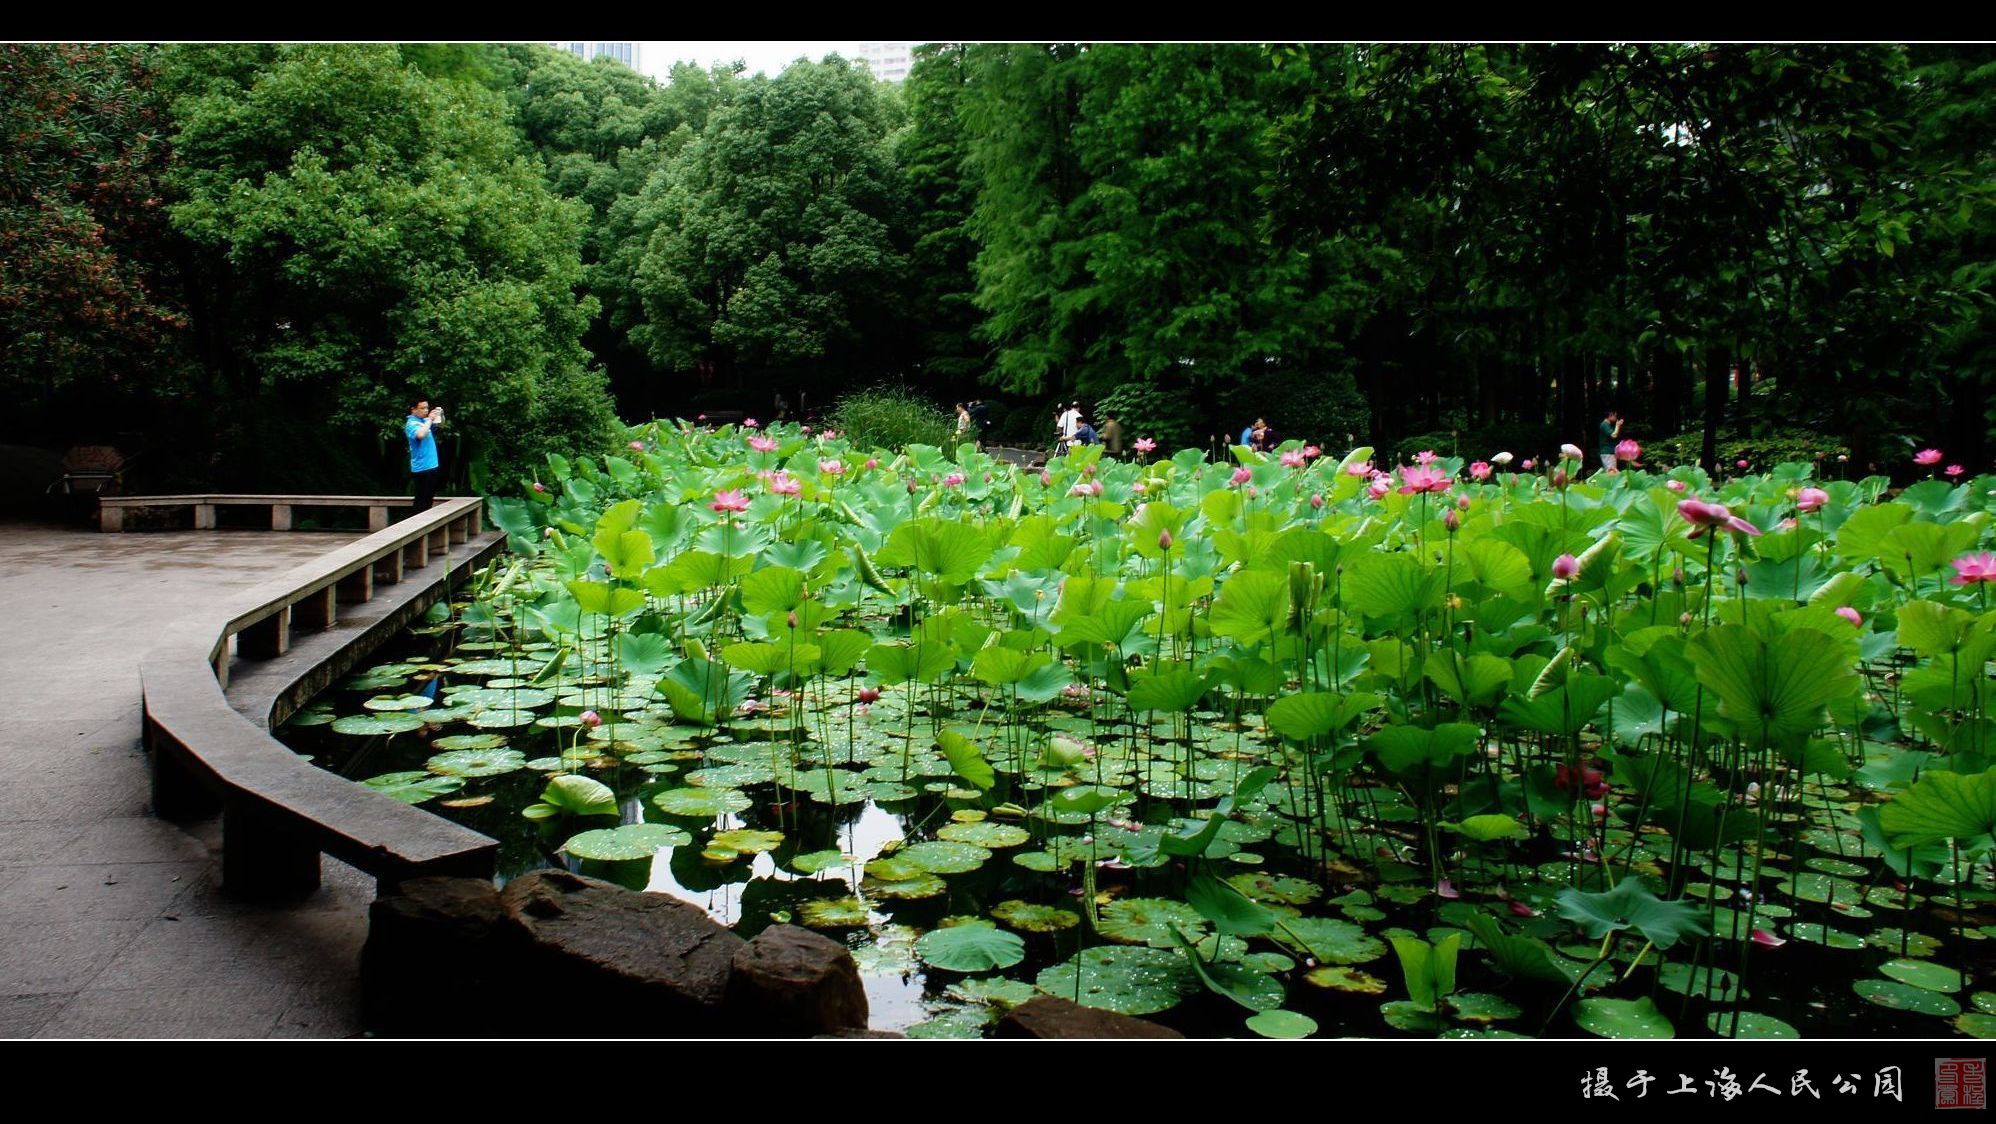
point(943, 857)
point(969, 948)
point(1622, 1018)
point(626, 843)
point(413, 787)
point(1029, 917)
point(1906, 997)
point(368, 724)
point(477, 762)
point(1129, 981)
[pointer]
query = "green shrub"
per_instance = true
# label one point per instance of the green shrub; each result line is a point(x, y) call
point(1147, 410)
point(1319, 407)
point(892, 417)
point(1762, 450)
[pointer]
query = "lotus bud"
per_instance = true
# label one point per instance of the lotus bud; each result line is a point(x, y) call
point(1677, 575)
point(869, 694)
point(1164, 540)
point(1565, 567)
point(590, 720)
point(1452, 522)
point(1316, 502)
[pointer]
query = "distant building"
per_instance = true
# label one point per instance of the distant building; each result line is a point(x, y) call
point(889, 61)
point(626, 53)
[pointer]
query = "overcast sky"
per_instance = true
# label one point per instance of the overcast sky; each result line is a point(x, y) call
point(769, 56)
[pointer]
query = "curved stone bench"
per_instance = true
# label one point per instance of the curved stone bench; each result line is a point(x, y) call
point(280, 812)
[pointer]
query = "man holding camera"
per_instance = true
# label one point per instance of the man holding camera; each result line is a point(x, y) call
point(420, 428)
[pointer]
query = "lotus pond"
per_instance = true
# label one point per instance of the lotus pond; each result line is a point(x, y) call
point(1291, 746)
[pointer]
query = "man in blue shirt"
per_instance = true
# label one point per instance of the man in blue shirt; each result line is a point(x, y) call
point(420, 428)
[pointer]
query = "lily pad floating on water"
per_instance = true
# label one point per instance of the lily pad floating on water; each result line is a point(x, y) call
point(964, 1023)
point(1906, 997)
point(1976, 1024)
point(996, 992)
point(315, 716)
point(970, 948)
point(1922, 974)
point(1704, 981)
point(572, 794)
point(1282, 1024)
point(502, 698)
point(944, 857)
point(744, 841)
point(369, 724)
point(1402, 1014)
point(1340, 978)
point(393, 703)
point(1148, 921)
point(502, 719)
point(1029, 917)
point(626, 843)
point(920, 886)
point(992, 836)
point(477, 762)
point(1824, 935)
point(413, 787)
point(1129, 981)
point(834, 913)
point(1281, 889)
point(1479, 1007)
point(816, 861)
point(702, 803)
point(1622, 1018)
point(1330, 940)
point(470, 741)
point(1751, 1025)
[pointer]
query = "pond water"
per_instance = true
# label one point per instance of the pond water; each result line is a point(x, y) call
point(845, 814)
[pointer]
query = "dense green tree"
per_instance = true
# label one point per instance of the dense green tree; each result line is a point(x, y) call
point(777, 240)
point(362, 231)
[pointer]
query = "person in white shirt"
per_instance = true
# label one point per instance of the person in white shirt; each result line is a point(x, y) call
point(1070, 420)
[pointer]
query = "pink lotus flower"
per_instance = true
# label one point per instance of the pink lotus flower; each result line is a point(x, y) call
point(953, 480)
point(762, 444)
point(1811, 499)
point(1242, 475)
point(1788, 524)
point(1971, 568)
point(1425, 456)
point(1675, 485)
point(1086, 488)
point(1927, 456)
point(804, 428)
point(1316, 501)
point(1444, 889)
point(1140, 487)
point(1954, 470)
point(753, 706)
point(1628, 451)
point(1311, 452)
point(1765, 939)
point(590, 719)
point(869, 694)
point(1252, 491)
point(1702, 515)
point(1501, 459)
point(1145, 445)
point(702, 417)
point(873, 462)
point(1292, 459)
point(1379, 487)
point(1362, 468)
point(1164, 540)
point(1522, 910)
point(1075, 691)
point(1046, 479)
point(637, 446)
point(1423, 479)
point(749, 424)
point(540, 487)
point(1570, 451)
point(832, 468)
point(1565, 567)
point(1851, 615)
point(730, 500)
point(784, 484)
point(1480, 470)
point(1528, 465)
point(1740, 464)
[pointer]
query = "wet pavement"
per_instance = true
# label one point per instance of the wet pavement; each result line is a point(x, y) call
point(112, 923)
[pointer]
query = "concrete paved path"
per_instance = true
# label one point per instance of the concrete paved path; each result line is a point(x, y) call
point(111, 920)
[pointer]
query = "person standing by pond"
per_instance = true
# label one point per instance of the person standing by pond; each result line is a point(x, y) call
point(1112, 435)
point(1611, 435)
point(420, 429)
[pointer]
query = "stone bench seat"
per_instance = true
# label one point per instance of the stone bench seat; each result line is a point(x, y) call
point(280, 812)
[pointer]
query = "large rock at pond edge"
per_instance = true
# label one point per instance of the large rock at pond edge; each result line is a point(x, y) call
point(426, 927)
point(792, 981)
point(1050, 1016)
point(630, 964)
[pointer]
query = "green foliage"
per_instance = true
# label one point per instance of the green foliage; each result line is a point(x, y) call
point(891, 418)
